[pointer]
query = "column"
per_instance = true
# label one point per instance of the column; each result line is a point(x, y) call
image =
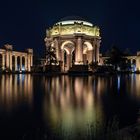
point(10, 61)
point(25, 63)
point(90, 56)
point(62, 59)
point(138, 63)
point(57, 49)
point(20, 63)
point(7, 60)
point(16, 63)
point(29, 63)
point(98, 50)
point(94, 51)
point(31, 59)
point(97, 54)
point(3, 61)
point(85, 59)
point(79, 52)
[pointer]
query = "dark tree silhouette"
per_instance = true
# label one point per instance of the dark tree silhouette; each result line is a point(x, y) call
point(50, 55)
point(117, 59)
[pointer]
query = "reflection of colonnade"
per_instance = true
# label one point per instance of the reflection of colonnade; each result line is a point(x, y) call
point(78, 100)
point(15, 89)
point(15, 61)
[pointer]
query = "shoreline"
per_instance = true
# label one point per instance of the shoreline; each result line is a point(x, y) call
point(75, 73)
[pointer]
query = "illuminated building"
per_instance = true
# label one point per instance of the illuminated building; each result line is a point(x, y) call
point(76, 42)
point(12, 61)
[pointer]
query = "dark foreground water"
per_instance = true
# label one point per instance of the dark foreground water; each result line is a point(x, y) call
point(36, 106)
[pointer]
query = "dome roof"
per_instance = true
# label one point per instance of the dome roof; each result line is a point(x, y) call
point(72, 20)
point(73, 25)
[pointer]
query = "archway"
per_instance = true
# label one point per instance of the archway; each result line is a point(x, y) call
point(23, 64)
point(18, 63)
point(13, 63)
point(87, 52)
point(133, 65)
point(67, 52)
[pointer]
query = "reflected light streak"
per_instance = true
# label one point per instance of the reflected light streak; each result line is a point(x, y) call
point(15, 90)
point(72, 103)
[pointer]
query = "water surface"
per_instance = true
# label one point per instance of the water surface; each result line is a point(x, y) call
point(39, 105)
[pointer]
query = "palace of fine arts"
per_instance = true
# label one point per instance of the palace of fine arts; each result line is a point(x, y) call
point(72, 45)
point(69, 70)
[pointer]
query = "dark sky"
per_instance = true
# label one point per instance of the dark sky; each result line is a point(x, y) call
point(23, 23)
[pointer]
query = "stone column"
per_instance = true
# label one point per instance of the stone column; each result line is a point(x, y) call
point(21, 63)
point(10, 61)
point(85, 59)
point(29, 63)
point(57, 49)
point(25, 63)
point(90, 56)
point(138, 63)
point(97, 54)
point(79, 51)
point(94, 51)
point(31, 58)
point(98, 50)
point(7, 59)
point(62, 59)
point(3, 61)
point(16, 63)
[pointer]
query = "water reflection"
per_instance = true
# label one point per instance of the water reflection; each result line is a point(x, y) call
point(74, 102)
point(15, 90)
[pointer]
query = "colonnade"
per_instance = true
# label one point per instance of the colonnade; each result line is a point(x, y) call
point(134, 61)
point(84, 53)
point(16, 61)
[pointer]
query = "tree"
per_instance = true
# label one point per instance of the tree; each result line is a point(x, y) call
point(117, 59)
point(50, 55)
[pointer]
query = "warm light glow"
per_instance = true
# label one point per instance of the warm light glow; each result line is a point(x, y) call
point(75, 21)
point(14, 90)
point(64, 44)
point(88, 47)
point(72, 102)
point(74, 29)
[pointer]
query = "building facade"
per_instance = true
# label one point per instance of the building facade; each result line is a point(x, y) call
point(76, 42)
point(12, 61)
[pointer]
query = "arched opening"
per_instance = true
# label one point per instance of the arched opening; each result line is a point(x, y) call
point(0, 61)
point(23, 63)
point(18, 63)
point(68, 55)
point(134, 62)
point(133, 65)
point(13, 63)
point(65, 60)
point(87, 52)
point(73, 57)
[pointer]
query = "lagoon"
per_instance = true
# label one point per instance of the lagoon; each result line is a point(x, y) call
point(38, 106)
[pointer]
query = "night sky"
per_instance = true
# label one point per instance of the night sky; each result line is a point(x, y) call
point(23, 23)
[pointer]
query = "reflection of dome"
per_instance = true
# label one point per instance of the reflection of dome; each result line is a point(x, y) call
point(72, 20)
